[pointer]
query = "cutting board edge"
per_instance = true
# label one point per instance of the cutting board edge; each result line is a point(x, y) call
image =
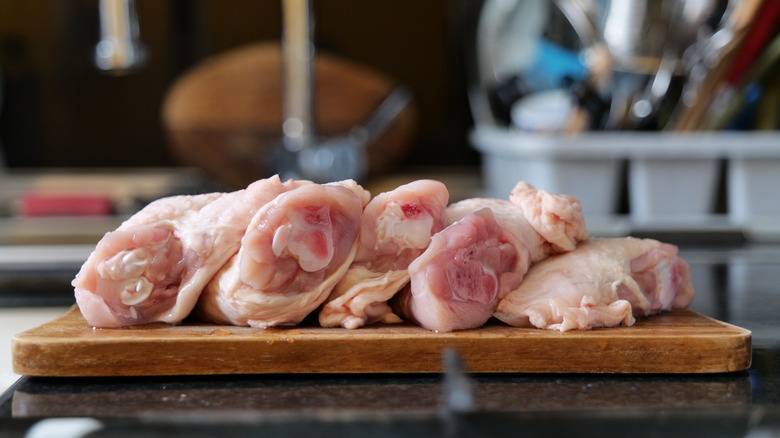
point(720, 356)
point(729, 350)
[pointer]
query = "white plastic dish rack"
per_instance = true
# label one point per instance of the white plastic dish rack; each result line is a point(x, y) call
point(672, 180)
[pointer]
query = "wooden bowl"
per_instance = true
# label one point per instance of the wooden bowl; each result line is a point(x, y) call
point(224, 115)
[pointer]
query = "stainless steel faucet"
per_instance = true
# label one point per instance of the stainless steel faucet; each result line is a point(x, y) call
point(298, 59)
point(303, 154)
point(120, 49)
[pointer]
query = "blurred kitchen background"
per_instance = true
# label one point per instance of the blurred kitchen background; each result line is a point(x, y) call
point(61, 110)
point(658, 115)
point(203, 84)
point(661, 116)
point(86, 142)
point(83, 135)
point(109, 104)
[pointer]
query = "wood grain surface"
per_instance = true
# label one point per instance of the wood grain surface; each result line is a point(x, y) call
point(681, 341)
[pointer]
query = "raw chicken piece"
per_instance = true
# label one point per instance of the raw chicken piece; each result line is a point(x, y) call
point(457, 282)
point(527, 229)
point(361, 298)
point(295, 250)
point(155, 264)
point(396, 228)
point(547, 223)
point(602, 283)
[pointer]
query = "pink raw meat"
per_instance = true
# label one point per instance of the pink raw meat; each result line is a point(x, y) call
point(602, 283)
point(295, 250)
point(396, 228)
point(457, 282)
point(544, 222)
point(154, 265)
point(531, 226)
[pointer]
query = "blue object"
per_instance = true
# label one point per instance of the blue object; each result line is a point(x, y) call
point(553, 63)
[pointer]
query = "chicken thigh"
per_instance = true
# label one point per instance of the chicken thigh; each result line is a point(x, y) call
point(457, 282)
point(545, 222)
point(154, 265)
point(602, 283)
point(295, 250)
point(484, 254)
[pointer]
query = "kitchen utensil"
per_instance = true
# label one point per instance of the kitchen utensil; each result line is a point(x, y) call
point(755, 68)
point(505, 36)
point(343, 156)
point(648, 42)
point(303, 154)
point(298, 62)
point(760, 74)
point(710, 63)
point(120, 49)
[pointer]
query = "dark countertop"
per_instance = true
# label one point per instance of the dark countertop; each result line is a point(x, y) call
point(740, 285)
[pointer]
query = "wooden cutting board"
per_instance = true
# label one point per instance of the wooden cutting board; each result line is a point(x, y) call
point(682, 341)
